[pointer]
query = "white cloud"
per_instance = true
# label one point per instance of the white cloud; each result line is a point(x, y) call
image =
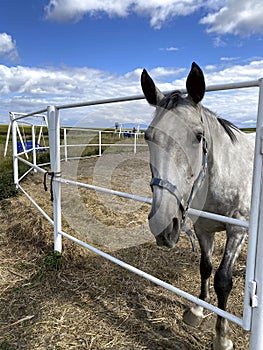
point(163, 73)
point(171, 48)
point(236, 73)
point(229, 58)
point(219, 42)
point(64, 10)
point(25, 89)
point(223, 16)
point(236, 17)
point(8, 47)
point(159, 11)
point(210, 67)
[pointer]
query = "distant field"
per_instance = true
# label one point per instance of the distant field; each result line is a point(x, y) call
point(26, 131)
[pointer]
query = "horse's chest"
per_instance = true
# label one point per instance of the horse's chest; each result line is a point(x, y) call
point(230, 198)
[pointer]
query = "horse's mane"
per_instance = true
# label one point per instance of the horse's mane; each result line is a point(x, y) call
point(229, 128)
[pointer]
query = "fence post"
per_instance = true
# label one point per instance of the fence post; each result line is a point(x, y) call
point(134, 147)
point(7, 139)
point(34, 146)
point(65, 145)
point(22, 141)
point(256, 338)
point(54, 143)
point(100, 143)
point(39, 135)
point(14, 143)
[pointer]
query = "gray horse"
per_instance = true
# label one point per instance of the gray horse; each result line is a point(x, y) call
point(200, 160)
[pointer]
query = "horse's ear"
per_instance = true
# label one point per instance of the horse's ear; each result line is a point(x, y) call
point(195, 83)
point(152, 94)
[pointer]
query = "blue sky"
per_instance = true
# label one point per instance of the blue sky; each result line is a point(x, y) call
point(64, 51)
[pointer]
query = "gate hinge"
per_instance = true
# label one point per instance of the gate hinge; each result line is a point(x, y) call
point(253, 293)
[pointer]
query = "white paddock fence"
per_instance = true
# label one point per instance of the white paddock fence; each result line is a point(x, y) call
point(253, 294)
point(134, 139)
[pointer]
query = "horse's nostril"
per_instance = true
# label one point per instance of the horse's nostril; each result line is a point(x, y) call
point(175, 223)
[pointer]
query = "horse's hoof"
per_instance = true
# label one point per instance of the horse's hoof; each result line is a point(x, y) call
point(193, 317)
point(221, 343)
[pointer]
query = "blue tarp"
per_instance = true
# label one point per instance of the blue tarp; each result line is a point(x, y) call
point(28, 146)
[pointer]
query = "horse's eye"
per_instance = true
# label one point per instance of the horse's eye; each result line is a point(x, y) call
point(199, 136)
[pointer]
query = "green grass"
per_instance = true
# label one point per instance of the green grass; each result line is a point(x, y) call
point(5, 345)
point(3, 132)
point(7, 187)
point(248, 130)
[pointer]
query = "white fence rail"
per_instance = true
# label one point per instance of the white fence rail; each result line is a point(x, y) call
point(134, 138)
point(253, 299)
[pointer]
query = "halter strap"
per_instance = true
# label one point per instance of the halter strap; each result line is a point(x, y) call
point(184, 206)
point(201, 175)
point(167, 185)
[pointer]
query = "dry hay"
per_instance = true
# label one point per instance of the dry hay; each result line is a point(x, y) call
point(90, 303)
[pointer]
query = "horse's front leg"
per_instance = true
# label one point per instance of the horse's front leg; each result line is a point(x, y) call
point(194, 315)
point(223, 284)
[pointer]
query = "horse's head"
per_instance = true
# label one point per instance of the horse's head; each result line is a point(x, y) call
point(177, 153)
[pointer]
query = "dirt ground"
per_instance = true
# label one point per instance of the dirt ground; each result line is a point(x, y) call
point(82, 301)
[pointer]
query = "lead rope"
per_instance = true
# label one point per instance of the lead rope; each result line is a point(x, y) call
point(191, 235)
point(52, 174)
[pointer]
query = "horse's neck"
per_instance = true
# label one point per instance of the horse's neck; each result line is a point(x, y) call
point(225, 153)
point(221, 149)
point(229, 167)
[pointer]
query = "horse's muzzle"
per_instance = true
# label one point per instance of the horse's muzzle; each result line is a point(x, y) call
point(169, 237)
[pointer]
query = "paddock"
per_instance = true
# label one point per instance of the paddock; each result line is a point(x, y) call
point(91, 302)
point(252, 291)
